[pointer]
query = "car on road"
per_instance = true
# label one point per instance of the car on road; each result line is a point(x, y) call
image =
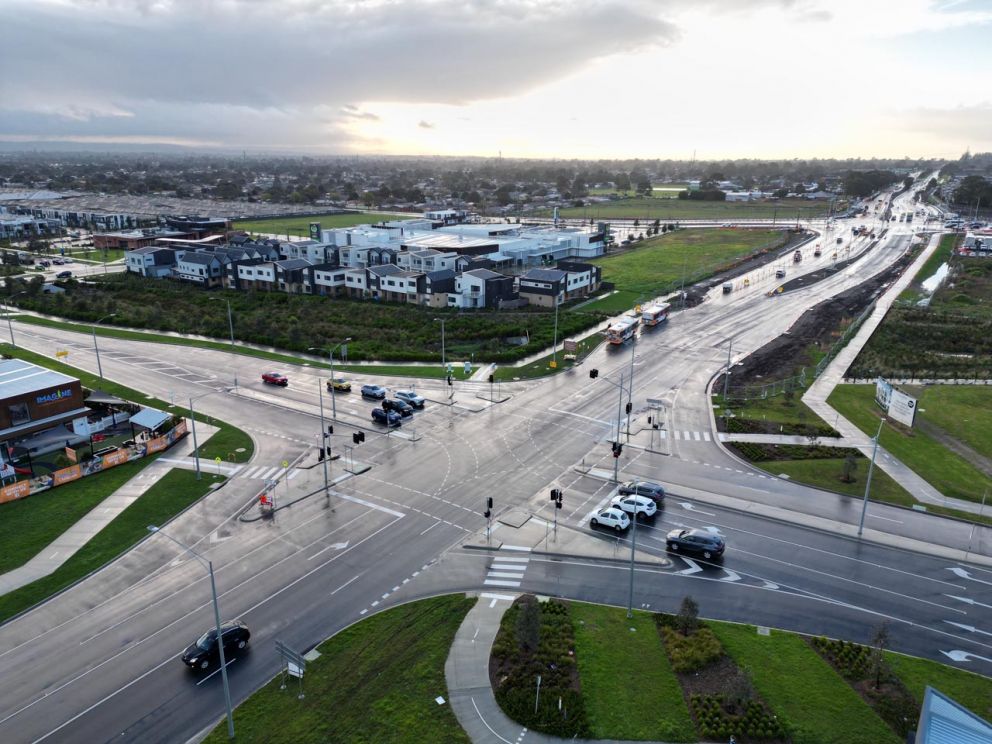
point(399, 406)
point(373, 391)
point(275, 378)
point(389, 418)
point(706, 543)
point(338, 385)
point(64, 275)
point(410, 397)
point(780, 273)
point(611, 517)
point(205, 652)
point(642, 506)
point(653, 491)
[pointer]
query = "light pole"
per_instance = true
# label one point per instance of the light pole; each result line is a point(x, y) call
point(871, 467)
point(10, 326)
point(630, 382)
point(554, 352)
point(220, 639)
point(330, 356)
point(616, 459)
point(230, 318)
point(96, 348)
point(441, 321)
point(192, 423)
point(633, 544)
point(324, 455)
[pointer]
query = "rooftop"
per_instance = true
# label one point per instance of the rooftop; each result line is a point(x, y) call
point(18, 377)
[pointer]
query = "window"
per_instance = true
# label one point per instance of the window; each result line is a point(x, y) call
point(19, 414)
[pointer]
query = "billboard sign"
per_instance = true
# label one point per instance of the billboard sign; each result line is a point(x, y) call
point(897, 405)
point(315, 231)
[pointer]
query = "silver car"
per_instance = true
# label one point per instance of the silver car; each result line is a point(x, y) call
point(409, 396)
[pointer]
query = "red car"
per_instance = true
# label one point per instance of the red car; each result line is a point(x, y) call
point(275, 378)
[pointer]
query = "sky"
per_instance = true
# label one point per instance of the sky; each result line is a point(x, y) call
point(525, 78)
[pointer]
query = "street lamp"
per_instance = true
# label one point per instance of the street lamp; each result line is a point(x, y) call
point(192, 423)
point(7, 310)
point(96, 348)
point(441, 321)
point(220, 639)
point(554, 351)
point(871, 467)
point(633, 545)
point(230, 318)
point(330, 354)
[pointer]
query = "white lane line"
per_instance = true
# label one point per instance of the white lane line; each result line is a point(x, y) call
point(515, 547)
point(504, 575)
point(353, 578)
point(294, 473)
point(489, 595)
point(511, 559)
point(377, 507)
point(499, 582)
point(215, 671)
point(432, 526)
point(507, 567)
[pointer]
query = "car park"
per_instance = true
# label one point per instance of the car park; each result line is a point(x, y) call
point(611, 517)
point(653, 491)
point(205, 652)
point(706, 543)
point(275, 378)
point(399, 406)
point(338, 385)
point(373, 391)
point(642, 506)
point(389, 418)
point(410, 397)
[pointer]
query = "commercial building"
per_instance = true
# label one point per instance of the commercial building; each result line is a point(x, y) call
point(34, 399)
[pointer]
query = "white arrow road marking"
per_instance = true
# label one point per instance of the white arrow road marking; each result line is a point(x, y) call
point(731, 576)
point(965, 575)
point(969, 628)
point(691, 507)
point(769, 584)
point(968, 600)
point(712, 530)
point(693, 567)
point(957, 655)
point(216, 538)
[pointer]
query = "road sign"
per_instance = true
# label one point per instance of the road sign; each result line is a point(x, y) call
point(570, 346)
point(285, 463)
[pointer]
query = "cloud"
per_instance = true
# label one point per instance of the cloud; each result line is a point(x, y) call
point(967, 124)
point(353, 112)
point(425, 124)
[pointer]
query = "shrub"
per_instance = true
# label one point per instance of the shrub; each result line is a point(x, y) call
point(689, 653)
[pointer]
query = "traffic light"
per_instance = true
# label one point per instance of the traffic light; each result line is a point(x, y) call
point(593, 374)
point(358, 437)
point(489, 508)
point(556, 497)
point(617, 448)
point(449, 380)
point(628, 407)
point(489, 502)
point(320, 455)
point(492, 379)
point(328, 451)
point(330, 429)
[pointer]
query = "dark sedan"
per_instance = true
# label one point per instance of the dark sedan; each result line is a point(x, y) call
point(706, 543)
point(205, 652)
point(401, 407)
point(389, 418)
point(653, 491)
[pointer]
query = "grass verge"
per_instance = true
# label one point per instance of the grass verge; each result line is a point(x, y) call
point(374, 682)
point(542, 366)
point(970, 690)
point(170, 495)
point(946, 471)
point(826, 473)
point(667, 209)
point(816, 705)
point(300, 226)
point(617, 656)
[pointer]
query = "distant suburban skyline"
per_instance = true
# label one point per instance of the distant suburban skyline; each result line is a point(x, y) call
point(528, 78)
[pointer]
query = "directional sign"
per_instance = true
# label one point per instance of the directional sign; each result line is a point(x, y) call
point(968, 600)
point(690, 507)
point(957, 655)
point(960, 572)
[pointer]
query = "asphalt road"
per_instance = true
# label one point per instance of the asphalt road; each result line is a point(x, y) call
point(99, 662)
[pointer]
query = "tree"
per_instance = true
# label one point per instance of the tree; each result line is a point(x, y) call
point(879, 642)
point(688, 618)
point(849, 468)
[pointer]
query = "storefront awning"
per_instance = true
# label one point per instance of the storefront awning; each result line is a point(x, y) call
point(150, 418)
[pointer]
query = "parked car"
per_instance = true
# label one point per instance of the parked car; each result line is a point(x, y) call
point(642, 506)
point(64, 275)
point(373, 391)
point(275, 378)
point(205, 652)
point(653, 491)
point(704, 542)
point(401, 407)
point(58, 261)
point(611, 517)
point(389, 418)
point(409, 396)
point(338, 385)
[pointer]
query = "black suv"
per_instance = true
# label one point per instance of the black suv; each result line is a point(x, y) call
point(644, 488)
point(706, 543)
point(204, 653)
point(403, 409)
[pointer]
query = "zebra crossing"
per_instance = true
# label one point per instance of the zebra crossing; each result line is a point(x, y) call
point(507, 571)
point(264, 472)
point(686, 436)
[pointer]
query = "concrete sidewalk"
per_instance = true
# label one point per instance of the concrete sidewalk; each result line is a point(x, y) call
point(817, 393)
point(69, 542)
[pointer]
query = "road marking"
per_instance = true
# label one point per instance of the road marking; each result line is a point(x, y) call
point(377, 507)
point(215, 671)
point(489, 595)
point(376, 603)
point(507, 567)
point(693, 567)
point(695, 434)
point(431, 527)
point(511, 559)
point(887, 519)
point(484, 723)
point(269, 473)
point(296, 472)
point(706, 436)
point(966, 575)
point(515, 547)
point(354, 578)
point(499, 582)
point(503, 575)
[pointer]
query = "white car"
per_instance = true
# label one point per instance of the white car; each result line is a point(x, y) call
point(409, 396)
point(642, 505)
point(611, 517)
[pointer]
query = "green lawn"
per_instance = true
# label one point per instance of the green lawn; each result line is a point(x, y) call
point(542, 366)
point(777, 409)
point(943, 253)
point(628, 686)
point(300, 226)
point(374, 682)
point(949, 473)
point(668, 209)
point(612, 304)
point(656, 265)
point(170, 495)
point(964, 411)
point(816, 704)
point(98, 255)
point(825, 473)
point(970, 690)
